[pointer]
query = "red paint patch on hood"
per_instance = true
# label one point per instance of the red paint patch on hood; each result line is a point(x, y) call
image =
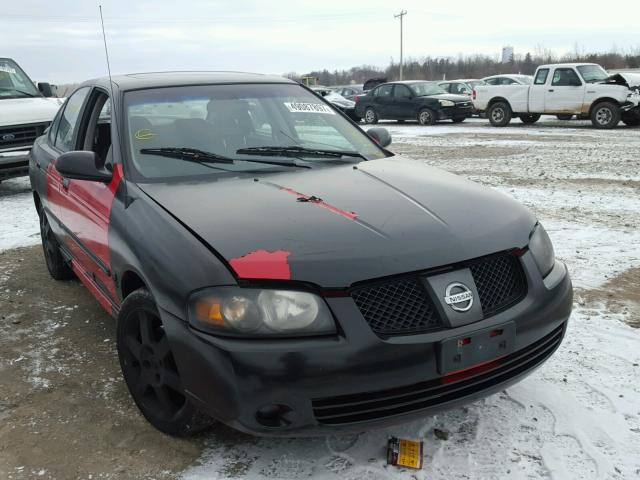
point(263, 264)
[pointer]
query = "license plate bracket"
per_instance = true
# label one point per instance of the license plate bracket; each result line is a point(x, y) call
point(476, 348)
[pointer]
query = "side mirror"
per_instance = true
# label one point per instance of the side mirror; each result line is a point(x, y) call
point(380, 135)
point(83, 165)
point(45, 89)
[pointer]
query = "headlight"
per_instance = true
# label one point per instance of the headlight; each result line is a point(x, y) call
point(258, 312)
point(542, 250)
point(446, 103)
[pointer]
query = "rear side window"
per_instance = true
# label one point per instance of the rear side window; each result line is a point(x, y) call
point(68, 122)
point(541, 76)
point(402, 91)
point(384, 91)
point(459, 89)
point(492, 81)
point(564, 77)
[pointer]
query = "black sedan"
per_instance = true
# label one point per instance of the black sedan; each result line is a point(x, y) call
point(425, 102)
point(272, 266)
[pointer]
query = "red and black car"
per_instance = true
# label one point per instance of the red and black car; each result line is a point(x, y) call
point(274, 267)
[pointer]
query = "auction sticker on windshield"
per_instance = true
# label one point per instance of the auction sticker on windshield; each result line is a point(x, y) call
point(297, 107)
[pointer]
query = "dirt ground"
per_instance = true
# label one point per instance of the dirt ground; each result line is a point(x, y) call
point(65, 412)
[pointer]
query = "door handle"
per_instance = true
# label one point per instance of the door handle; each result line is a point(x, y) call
point(551, 90)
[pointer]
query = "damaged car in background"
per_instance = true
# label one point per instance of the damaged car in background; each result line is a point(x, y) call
point(276, 268)
point(565, 90)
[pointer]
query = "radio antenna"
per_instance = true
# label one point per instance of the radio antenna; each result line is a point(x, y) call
point(106, 53)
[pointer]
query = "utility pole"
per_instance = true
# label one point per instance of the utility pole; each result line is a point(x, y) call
point(400, 16)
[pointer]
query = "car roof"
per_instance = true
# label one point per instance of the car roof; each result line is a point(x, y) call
point(565, 65)
point(508, 75)
point(136, 81)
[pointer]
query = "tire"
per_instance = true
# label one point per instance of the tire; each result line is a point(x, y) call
point(529, 118)
point(564, 116)
point(58, 268)
point(426, 116)
point(150, 371)
point(500, 114)
point(458, 119)
point(370, 116)
point(605, 115)
point(631, 119)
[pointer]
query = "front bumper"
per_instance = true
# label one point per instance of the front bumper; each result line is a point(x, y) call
point(14, 163)
point(447, 113)
point(356, 380)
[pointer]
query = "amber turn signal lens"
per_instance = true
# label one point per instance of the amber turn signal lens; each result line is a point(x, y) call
point(208, 311)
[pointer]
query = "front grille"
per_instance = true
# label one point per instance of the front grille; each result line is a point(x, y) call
point(397, 307)
point(403, 306)
point(20, 135)
point(500, 281)
point(369, 406)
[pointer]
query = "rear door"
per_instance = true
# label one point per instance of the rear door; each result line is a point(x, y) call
point(382, 100)
point(538, 91)
point(402, 106)
point(566, 92)
point(86, 205)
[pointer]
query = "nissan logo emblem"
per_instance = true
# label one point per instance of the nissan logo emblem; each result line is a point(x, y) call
point(7, 137)
point(459, 297)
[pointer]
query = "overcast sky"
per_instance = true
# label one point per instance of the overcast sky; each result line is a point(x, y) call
point(60, 41)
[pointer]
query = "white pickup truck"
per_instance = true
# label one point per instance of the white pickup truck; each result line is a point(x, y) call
point(564, 90)
point(25, 113)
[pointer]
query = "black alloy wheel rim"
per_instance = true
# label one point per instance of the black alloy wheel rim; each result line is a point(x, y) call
point(149, 367)
point(48, 242)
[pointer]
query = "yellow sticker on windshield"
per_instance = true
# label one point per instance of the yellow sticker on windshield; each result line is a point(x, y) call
point(145, 134)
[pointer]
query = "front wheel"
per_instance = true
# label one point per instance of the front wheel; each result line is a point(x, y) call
point(499, 114)
point(529, 118)
point(605, 115)
point(426, 116)
point(370, 116)
point(150, 370)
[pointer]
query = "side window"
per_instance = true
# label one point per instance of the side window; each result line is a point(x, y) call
point(402, 91)
point(565, 77)
point(69, 120)
point(459, 88)
point(53, 128)
point(541, 76)
point(492, 81)
point(384, 90)
point(508, 81)
point(446, 86)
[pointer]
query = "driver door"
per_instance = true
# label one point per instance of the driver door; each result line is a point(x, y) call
point(85, 205)
point(566, 92)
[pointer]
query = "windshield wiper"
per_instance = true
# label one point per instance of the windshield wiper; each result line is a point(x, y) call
point(19, 91)
point(202, 156)
point(297, 151)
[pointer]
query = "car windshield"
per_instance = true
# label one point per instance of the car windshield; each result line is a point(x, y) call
point(593, 73)
point(267, 122)
point(427, 88)
point(14, 82)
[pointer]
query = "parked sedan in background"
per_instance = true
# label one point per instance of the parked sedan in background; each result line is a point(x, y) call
point(461, 87)
point(508, 80)
point(338, 101)
point(423, 101)
point(349, 91)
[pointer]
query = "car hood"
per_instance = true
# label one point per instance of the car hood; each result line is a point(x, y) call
point(448, 96)
point(334, 226)
point(18, 111)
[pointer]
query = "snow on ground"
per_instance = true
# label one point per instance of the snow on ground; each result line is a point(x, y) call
point(18, 217)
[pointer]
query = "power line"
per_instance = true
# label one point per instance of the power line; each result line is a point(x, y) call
point(401, 17)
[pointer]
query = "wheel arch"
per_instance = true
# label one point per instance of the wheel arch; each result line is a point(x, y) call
point(130, 281)
point(495, 100)
point(601, 100)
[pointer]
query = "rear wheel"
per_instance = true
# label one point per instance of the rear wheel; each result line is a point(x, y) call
point(58, 268)
point(426, 116)
point(500, 114)
point(529, 118)
point(564, 116)
point(370, 116)
point(150, 371)
point(605, 115)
